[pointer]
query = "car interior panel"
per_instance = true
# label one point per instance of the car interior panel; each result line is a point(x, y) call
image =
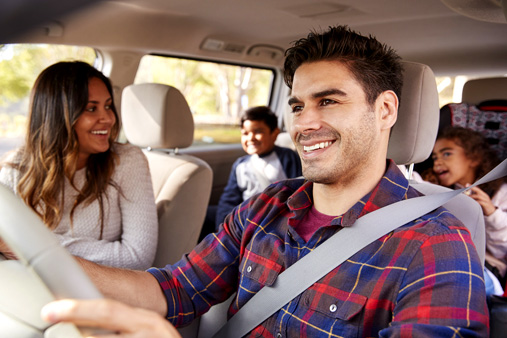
point(183, 72)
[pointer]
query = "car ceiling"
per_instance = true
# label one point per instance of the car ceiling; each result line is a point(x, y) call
point(423, 31)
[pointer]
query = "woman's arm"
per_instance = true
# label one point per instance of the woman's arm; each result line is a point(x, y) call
point(138, 208)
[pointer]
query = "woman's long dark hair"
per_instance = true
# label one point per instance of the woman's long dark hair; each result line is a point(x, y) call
point(51, 149)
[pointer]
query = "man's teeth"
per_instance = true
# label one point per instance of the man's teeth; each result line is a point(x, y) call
point(320, 145)
point(99, 132)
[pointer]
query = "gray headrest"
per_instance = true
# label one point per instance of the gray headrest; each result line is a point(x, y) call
point(415, 131)
point(157, 116)
point(479, 90)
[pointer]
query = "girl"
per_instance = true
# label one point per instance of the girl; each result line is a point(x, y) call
point(460, 157)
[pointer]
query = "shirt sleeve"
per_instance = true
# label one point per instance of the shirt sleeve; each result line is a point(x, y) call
point(208, 275)
point(8, 175)
point(443, 292)
point(231, 197)
point(291, 162)
point(496, 225)
point(136, 247)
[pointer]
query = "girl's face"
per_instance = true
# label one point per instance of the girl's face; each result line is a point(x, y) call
point(93, 126)
point(451, 165)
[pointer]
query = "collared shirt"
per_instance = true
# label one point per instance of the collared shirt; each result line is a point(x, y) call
point(423, 279)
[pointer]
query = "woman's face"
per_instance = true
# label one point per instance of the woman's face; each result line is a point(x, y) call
point(451, 165)
point(93, 126)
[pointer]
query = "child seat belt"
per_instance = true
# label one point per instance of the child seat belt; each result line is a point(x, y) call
point(341, 246)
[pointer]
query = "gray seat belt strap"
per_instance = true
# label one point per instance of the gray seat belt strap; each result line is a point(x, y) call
point(342, 245)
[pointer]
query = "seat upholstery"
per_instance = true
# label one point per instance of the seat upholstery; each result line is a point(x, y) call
point(412, 139)
point(479, 90)
point(156, 117)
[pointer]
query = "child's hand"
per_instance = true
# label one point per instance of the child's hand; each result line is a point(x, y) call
point(483, 199)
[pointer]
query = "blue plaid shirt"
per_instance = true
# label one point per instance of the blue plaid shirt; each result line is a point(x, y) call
point(423, 279)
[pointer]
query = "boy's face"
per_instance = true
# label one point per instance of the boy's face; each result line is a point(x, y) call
point(256, 138)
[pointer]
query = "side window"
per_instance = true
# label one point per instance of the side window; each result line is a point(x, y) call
point(450, 88)
point(20, 64)
point(217, 93)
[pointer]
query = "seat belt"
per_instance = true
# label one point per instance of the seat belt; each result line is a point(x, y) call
point(341, 246)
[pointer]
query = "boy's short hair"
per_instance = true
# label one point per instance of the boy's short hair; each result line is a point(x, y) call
point(261, 113)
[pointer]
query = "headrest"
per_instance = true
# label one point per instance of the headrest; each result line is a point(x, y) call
point(414, 134)
point(157, 116)
point(479, 90)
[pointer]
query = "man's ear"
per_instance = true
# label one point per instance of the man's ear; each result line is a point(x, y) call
point(275, 132)
point(388, 105)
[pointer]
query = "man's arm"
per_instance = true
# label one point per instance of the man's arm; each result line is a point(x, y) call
point(135, 288)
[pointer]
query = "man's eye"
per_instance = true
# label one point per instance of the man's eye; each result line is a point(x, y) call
point(296, 109)
point(326, 102)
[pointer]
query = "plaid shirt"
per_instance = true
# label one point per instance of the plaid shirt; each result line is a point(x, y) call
point(423, 280)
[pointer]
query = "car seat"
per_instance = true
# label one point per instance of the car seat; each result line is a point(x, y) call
point(483, 109)
point(157, 118)
point(411, 141)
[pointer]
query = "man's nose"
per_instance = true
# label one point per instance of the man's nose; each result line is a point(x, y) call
point(307, 119)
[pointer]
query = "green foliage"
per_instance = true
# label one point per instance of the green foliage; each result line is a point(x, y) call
point(21, 64)
point(217, 93)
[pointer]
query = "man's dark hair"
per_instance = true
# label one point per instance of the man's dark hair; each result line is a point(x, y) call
point(375, 66)
point(261, 113)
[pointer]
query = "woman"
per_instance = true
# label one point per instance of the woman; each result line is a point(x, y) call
point(94, 193)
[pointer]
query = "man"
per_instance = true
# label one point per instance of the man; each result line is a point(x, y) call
point(265, 163)
point(423, 279)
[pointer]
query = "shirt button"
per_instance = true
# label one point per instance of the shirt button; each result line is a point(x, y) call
point(332, 308)
point(249, 269)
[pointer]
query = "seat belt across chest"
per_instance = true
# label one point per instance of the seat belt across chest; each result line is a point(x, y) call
point(341, 246)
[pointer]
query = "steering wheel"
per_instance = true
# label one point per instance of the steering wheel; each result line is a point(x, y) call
point(44, 271)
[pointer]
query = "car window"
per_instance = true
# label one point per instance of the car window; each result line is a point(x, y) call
point(20, 64)
point(450, 88)
point(217, 93)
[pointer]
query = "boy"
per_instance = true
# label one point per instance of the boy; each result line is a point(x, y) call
point(265, 163)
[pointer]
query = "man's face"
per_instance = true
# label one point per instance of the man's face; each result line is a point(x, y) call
point(335, 130)
point(257, 138)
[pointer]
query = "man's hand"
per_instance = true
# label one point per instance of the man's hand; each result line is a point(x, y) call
point(6, 251)
point(111, 315)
